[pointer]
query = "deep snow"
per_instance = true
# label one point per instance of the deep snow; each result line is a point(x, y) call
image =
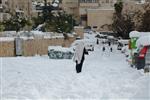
point(105, 76)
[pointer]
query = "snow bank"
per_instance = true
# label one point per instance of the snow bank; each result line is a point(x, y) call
point(143, 41)
point(104, 77)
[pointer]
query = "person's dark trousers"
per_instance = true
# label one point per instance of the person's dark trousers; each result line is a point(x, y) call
point(79, 67)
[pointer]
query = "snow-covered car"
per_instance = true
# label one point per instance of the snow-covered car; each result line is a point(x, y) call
point(89, 45)
point(58, 52)
point(142, 56)
point(122, 43)
point(125, 50)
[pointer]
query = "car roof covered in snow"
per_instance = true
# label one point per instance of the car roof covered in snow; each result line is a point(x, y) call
point(124, 41)
point(59, 48)
point(138, 34)
point(143, 41)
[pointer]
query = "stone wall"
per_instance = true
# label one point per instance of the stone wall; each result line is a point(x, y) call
point(7, 48)
point(80, 31)
point(32, 47)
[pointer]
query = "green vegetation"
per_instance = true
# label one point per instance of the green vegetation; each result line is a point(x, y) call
point(122, 23)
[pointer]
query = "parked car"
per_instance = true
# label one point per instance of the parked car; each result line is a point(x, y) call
point(142, 58)
point(58, 52)
point(125, 50)
point(122, 43)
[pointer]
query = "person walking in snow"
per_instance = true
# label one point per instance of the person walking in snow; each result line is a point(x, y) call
point(103, 49)
point(97, 42)
point(79, 56)
point(109, 43)
point(111, 49)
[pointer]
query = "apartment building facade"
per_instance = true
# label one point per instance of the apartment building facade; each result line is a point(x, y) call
point(20, 7)
point(98, 14)
point(4, 12)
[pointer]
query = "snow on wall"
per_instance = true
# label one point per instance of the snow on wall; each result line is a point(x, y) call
point(2, 39)
point(5, 39)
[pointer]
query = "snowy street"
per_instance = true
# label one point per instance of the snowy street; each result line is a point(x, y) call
point(105, 76)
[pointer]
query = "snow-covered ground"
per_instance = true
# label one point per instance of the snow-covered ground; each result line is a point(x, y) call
point(105, 76)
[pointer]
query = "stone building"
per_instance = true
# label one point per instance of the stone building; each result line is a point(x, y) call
point(94, 13)
point(4, 11)
point(100, 19)
point(20, 7)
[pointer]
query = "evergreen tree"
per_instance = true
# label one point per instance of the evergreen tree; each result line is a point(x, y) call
point(1, 27)
point(122, 23)
point(14, 23)
point(145, 20)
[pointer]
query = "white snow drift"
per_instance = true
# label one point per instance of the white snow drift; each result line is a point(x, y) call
point(105, 76)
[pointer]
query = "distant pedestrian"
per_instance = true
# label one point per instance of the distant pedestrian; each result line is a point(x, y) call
point(103, 49)
point(111, 49)
point(79, 56)
point(97, 42)
point(109, 43)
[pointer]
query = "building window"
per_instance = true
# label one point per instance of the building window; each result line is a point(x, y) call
point(107, 1)
point(94, 26)
point(84, 17)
